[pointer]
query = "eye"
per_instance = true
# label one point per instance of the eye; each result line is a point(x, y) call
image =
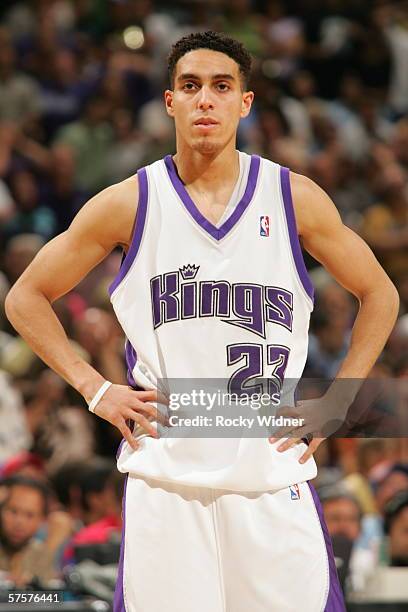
point(189, 86)
point(223, 86)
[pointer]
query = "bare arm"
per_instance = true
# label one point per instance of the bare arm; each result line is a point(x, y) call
point(103, 223)
point(352, 263)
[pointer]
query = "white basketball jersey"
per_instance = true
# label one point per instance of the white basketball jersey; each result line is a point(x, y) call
point(231, 302)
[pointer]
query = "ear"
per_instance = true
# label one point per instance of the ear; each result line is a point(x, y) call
point(168, 101)
point(247, 99)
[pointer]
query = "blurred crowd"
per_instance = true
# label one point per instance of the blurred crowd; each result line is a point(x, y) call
point(81, 107)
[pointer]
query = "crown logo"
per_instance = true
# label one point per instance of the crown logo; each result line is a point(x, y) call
point(189, 271)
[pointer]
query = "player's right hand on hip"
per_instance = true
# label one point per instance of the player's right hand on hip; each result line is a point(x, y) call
point(121, 405)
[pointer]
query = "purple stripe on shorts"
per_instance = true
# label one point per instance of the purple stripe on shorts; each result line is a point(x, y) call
point(335, 600)
point(216, 232)
point(138, 231)
point(118, 599)
point(293, 235)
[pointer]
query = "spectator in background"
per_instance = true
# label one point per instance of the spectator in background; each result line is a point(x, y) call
point(396, 526)
point(343, 519)
point(99, 333)
point(6, 202)
point(397, 346)
point(62, 91)
point(22, 513)
point(375, 456)
point(15, 435)
point(330, 329)
point(61, 193)
point(327, 345)
point(128, 150)
point(66, 482)
point(98, 492)
point(396, 30)
point(284, 39)
point(399, 141)
point(20, 251)
point(393, 481)
point(330, 44)
point(4, 288)
point(55, 422)
point(105, 529)
point(19, 94)
point(385, 225)
point(239, 21)
point(90, 138)
point(24, 464)
point(356, 538)
point(31, 217)
point(342, 513)
point(373, 54)
point(94, 493)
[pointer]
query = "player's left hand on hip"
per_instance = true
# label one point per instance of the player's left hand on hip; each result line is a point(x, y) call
point(312, 420)
point(313, 444)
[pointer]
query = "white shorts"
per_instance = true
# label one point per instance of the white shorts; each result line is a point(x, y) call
point(190, 549)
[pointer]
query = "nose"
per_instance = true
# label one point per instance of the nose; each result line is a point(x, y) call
point(205, 101)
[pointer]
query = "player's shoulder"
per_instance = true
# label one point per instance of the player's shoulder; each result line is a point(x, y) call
point(109, 215)
point(119, 199)
point(121, 193)
point(302, 186)
point(311, 203)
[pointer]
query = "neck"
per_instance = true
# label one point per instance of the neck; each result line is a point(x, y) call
point(207, 171)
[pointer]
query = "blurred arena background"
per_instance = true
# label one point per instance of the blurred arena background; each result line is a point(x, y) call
point(81, 107)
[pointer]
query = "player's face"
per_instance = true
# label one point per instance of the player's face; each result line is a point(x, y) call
point(207, 101)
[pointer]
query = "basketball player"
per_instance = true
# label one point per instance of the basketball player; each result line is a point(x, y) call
point(213, 285)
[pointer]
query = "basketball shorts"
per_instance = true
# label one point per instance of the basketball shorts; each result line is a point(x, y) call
point(188, 549)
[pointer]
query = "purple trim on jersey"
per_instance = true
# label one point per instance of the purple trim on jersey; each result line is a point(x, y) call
point(131, 360)
point(216, 232)
point(335, 599)
point(138, 231)
point(118, 598)
point(123, 440)
point(293, 235)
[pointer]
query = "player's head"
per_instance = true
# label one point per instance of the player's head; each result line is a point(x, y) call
point(209, 75)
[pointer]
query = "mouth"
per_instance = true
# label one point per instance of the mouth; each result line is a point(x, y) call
point(206, 122)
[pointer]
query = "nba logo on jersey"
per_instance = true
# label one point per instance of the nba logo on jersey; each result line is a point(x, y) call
point(294, 491)
point(264, 226)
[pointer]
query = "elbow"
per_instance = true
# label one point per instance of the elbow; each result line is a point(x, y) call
point(394, 300)
point(13, 305)
point(391, 299)
point(10, 305)
point(385, 295)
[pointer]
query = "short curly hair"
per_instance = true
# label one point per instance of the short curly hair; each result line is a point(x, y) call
point(215, 41)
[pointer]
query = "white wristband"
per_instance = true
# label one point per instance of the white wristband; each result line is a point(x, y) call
point(98, 396)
